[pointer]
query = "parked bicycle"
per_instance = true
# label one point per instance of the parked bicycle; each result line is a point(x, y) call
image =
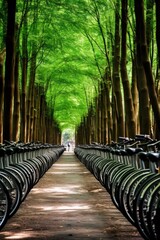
point(21, 167)
point(129, 171)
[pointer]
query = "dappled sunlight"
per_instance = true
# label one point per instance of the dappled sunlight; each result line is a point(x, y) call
point(72, 172)
point(68, 153)
point(65, 165)
point(62, 193)
point(67, 207)
point(67, 168)
point(67, 189)
point(20, 235)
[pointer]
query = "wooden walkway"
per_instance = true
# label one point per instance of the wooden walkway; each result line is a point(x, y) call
point(68, 203)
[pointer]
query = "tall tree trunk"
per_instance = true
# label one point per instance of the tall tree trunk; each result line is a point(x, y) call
point(134, 92)
point(24, 79)
point(42, 117)
point(37, 117)
point(158, 57)
point(30, 97)
point(31, 88)
point(139, 5)
point(99, 117)
point(103, 114)
point(117, 95)
point(16, 113)
point(2, 58)
point(144, 107)
point(129, 109)
point(149, 27)
point(32, 107)
point(158, 35)
point(96, 119)
point(9, 71)
point(107, 87)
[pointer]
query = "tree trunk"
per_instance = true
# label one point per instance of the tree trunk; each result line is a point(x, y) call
point(32, 107)
point(24, 80)
point(16, 113)
point(107, 87)
point(144, 108)
point(2, 57)
point(99, 117)
point(158, 57)
point(148, 69)
point(103, 114)
point(129, 109)
point(9, 72)
point(30, 97)
point(96, 119)
point(158, 34)
point(149, 25)
point(42, 117)
point(146, 63)
point(117, 95)
point(134, 92)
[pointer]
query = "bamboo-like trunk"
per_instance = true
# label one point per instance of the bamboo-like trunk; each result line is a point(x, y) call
point(144, 106)
point(129, 109)
point(16, 112)
point(2, 57)
point(117, 104)
point(9, 72)
point(24, 81)
point(147, 65)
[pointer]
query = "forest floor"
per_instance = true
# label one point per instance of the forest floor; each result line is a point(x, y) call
point(68, 203)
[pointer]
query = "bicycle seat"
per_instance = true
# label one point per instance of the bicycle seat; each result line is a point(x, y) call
point(143, 156)
point(132, 151)
point(2, 151)
point(154, 156)
point(117, 151)
point(9, 150)
point(123, 152)
point(18, 149)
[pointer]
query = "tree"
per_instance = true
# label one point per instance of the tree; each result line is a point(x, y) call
point(9, 71)
point(2, 58)
point(129, 109)
point(144, 108)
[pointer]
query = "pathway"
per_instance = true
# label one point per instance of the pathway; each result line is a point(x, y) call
point(68, 203)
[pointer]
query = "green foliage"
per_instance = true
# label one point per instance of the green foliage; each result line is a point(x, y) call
point(68, 135)
point(69, 66)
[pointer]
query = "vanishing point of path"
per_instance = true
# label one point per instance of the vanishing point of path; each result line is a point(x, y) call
point(68, 203)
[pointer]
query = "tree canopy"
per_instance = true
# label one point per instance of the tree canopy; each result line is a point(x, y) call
point(66, 59)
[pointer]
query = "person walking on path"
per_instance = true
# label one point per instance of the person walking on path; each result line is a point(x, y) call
point(68, 147)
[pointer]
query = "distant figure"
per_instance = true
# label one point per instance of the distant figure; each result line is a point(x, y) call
point(68, 146)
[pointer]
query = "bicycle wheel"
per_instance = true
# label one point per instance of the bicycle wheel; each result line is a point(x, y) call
point(116, 183)
point(4, 205)
point(140, 203)
point(156, 220)
point(109, 172)
point(102, 172)
point(152, 211)
point(13, 189)
point(127, 191)
point(132, 191)
point(35, 169)
point(21, 178)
